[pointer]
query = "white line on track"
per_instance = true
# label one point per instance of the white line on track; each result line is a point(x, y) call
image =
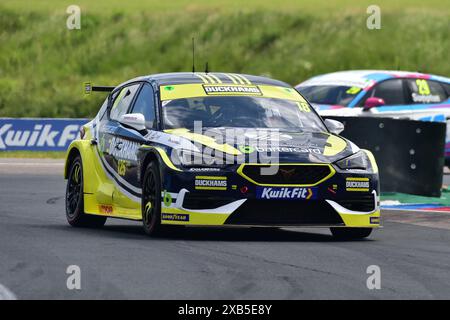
point(25, 164)
point(6, 294)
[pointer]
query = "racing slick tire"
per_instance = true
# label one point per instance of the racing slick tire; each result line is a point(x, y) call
point(75, 200)
point(151, 200)
point(151, 204)
point(351, 233)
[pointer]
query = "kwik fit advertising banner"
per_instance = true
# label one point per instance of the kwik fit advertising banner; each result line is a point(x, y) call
point(35, 134)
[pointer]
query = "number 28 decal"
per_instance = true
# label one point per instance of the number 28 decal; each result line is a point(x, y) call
point(423, 87)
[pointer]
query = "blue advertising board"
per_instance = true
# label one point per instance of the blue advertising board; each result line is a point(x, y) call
point(38, 134)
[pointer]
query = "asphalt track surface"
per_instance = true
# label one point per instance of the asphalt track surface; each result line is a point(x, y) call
point(120, 262)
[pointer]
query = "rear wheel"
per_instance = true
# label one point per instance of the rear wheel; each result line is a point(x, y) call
point(75, 199)
point(351, 233)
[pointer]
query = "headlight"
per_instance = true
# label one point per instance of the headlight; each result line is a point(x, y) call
point(190, 158)
point(357, 161)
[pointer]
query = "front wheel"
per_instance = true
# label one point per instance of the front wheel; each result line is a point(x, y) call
point(351, 233)
point(151, 200)
point(75, 199)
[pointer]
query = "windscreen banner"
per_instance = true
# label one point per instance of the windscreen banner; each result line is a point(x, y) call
point(38, 134)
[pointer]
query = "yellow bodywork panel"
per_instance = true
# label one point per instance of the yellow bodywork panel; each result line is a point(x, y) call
point(99, 190)
point(180, 91)
point(334, 146)
point(164, 157)
point(360, 220)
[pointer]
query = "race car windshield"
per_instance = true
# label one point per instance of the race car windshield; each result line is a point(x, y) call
point(241, 112)
point(335, 95)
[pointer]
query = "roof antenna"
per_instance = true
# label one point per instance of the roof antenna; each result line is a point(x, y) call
point(206, 67)
point(193, 55)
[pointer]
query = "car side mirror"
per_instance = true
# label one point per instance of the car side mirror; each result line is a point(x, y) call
point(373, 102)
point(334, 126)
point(133, 120)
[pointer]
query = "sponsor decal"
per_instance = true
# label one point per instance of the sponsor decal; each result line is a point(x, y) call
point(246, 149)
point(303, 106)
point(357, 184)
point(105, 209)
point(175, 217)
point(175, 140)
point(38, 134)
point(374, 220)
point(123, 149)
point(267, 135)
point(289, 149)
point(153, 135)
point(232, 89)
point(203, 169)
point(424, 93)
point(210, 183)
point(167, 199)
point(286, 193)
point(425, 98)
point(122, 167)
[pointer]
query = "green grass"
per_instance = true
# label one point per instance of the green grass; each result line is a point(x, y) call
point(414, 199)
point(33, 154)
point(43, 65)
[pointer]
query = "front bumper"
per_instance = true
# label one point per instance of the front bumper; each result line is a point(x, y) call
point(227, 198)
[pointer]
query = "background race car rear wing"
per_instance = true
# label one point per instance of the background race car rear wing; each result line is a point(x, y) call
point(88, 88)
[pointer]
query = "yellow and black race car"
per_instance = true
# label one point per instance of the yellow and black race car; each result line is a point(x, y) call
point(218, 149)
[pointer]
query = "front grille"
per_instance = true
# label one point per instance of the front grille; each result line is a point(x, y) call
point(282, 212)
point(364, 202)
point(288, 174)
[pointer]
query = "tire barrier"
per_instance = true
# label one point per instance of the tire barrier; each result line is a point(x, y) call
point(409, 153)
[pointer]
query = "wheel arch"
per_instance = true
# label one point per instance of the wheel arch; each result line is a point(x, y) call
point(94, 177)
point(72, 153)
point(158, 154)
point(149, 156)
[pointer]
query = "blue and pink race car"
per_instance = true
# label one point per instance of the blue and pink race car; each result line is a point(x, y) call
point(381, 93)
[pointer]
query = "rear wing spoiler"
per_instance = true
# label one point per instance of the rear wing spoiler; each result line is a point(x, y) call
point(88, 88)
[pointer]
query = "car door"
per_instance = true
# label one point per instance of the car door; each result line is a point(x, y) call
point(127, 141)
point(109, 145)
